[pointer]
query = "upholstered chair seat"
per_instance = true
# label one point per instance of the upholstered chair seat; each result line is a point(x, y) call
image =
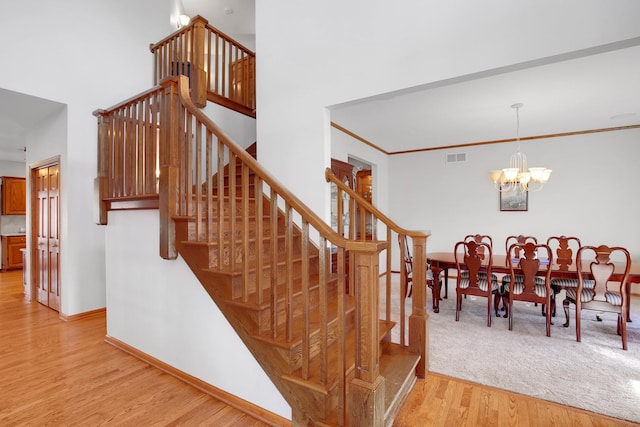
point(483, 283)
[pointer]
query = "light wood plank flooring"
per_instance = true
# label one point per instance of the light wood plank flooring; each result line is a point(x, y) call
point(63, 373)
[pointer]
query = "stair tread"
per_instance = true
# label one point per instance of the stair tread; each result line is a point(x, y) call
point(397, 366)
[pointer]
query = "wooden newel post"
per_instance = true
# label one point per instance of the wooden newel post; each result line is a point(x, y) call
point(101, 183)
point(169, 155)
point(198, 75)
point(367, 389)
point(419, 319)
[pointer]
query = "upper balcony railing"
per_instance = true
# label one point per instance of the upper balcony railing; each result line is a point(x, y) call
point(219, 68)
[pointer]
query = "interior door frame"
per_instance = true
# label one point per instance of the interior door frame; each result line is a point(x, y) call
point(33, 218)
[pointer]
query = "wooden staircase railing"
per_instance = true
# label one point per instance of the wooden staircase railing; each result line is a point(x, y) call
point(263, 257)
point(261, 254)
point(277, 253)
point(128, 143)
point(219, 68)
point(363, 214)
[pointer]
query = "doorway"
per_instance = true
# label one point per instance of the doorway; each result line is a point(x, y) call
point(45, 232)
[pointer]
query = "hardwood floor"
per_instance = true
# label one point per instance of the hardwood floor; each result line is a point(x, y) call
point(63, 373)
point(444, 401)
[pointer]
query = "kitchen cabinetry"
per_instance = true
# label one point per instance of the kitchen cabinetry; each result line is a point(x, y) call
point(14, 196)
point(11, 251)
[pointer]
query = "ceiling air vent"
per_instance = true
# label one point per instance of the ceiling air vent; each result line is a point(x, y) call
point(456, 157)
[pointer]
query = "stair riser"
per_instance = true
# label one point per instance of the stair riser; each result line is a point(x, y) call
point(226, 211)
point(281, 275)
point(213, 228)
point(263, 317)
point(227, 192)
point(295, 354)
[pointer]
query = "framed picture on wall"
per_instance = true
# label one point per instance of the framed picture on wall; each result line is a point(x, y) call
point(514, 198)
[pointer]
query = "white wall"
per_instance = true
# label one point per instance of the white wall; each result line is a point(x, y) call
point(160, 308)
point(312, 55)
point(86, 55)
point(9, 168)
point(240, 128)
point(593, 192)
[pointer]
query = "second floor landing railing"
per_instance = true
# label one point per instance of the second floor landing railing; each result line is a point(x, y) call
point(219, 68)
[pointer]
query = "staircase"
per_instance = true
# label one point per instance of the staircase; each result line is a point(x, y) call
point(265, 259)
point(257, 312)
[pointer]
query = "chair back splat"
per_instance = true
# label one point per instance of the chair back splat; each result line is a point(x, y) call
point(480, 238)
point(521, 238)
point(565, 249)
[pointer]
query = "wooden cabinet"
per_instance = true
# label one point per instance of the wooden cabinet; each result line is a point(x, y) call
point(14, 196)
point(344, 172)
point(363, 184)
point(364, 187)
point(11, 253)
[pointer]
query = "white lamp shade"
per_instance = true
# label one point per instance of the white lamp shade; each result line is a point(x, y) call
point(510, 173)
point(495, 176)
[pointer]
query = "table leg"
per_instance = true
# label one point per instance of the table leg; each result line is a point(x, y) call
point(628, 286)
point(435, 296)
point(446, 283)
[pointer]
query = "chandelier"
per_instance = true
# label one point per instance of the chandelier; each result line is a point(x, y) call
point(518, 176)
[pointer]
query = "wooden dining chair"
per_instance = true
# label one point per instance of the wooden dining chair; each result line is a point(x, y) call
point(479, 238)
point(477, 280)
point(564, 249)
point(504, 289)
point(407, 274)
point(597, 288)
point(530, 261)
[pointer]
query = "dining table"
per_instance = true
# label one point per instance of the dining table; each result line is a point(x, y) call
point(441, 262)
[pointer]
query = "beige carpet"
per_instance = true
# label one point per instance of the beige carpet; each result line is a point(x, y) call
point(595, 374)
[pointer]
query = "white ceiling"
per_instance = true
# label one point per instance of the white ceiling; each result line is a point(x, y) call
point(232, 17)
point(591, 89)
point(19, 112)
point(599, 90)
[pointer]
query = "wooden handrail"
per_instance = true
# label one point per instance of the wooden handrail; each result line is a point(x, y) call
point(418, 319)
point(331, 177)
point(128, 152)
point(264, 175)
point(154, 46)
point(221, 69)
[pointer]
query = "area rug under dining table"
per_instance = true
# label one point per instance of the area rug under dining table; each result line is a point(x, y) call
point(595, 374)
